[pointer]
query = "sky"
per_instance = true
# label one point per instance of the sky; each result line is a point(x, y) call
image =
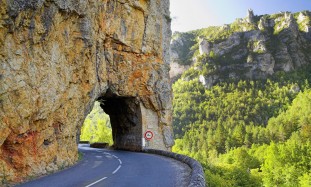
point(195, 14)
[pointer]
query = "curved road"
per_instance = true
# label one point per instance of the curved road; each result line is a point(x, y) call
point(110, 168)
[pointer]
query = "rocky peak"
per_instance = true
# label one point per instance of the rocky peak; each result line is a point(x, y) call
point(204, 46)
point(292, 23)
point(265, 23)
point(250, 16)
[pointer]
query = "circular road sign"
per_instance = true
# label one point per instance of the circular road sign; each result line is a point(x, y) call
point(148, 135)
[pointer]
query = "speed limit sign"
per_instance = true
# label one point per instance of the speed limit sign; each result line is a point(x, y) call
point(148, 135)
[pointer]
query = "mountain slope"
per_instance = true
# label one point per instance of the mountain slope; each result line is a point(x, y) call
point(242, 103)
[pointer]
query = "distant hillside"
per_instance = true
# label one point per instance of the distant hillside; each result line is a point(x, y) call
point(252, 48)
point(242, 100)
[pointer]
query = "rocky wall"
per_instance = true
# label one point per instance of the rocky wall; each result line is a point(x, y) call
point(58, 57)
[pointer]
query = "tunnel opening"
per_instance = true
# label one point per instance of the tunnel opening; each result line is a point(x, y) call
point(114, 122)
point(96, 127)
point(126, 121)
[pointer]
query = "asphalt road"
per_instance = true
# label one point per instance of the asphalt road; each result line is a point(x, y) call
point(111, 168)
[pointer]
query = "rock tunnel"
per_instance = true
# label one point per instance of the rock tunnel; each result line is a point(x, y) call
point(126, 122)
point(59, 56)
point(130, 119)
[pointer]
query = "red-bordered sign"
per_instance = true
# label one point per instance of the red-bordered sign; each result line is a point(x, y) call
point(148, 135)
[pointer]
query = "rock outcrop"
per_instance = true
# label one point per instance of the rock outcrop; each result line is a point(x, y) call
point(180, 55)
point(59, 56)
point(250, 16)
point(253, 48)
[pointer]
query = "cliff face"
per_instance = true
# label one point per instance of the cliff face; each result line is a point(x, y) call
point(59, 56)
point(253, 48)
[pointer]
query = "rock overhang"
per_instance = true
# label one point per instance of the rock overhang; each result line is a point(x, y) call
point(58, 57)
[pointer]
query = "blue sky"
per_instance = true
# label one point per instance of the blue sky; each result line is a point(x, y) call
point(194, 14)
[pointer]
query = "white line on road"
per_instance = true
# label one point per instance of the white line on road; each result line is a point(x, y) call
point(115, 156)
point(96, 182)
point(115, 171)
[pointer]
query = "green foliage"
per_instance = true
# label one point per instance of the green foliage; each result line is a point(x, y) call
point(239, 26)
point(306, 22)
point(305, 180)
point(297, 117)
point(183, 48)
point(212, 54)
point(246, 133)
point(231, 104)
point(190, 74)
point(279, 25)
point(186, 104)
point(80, 155)
point(96, 126)
point(285, 163)
point(217, 34)
point(214, 33)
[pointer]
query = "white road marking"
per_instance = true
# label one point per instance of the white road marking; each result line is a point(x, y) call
point(96, 182)
point(109, 157)
point(115, 156)
point(115, 171)
point(96, 164)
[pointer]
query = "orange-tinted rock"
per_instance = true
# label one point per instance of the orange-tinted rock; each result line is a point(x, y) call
point(58, 57)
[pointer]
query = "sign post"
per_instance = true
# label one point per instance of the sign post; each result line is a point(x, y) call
point(148, 136)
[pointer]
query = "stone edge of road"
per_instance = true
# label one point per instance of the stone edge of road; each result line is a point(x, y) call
point(197, 174)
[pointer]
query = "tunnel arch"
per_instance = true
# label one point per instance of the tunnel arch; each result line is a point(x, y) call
point(126, 121)
point(130, 119)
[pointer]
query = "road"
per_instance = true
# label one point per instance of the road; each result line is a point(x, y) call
point(111, 168)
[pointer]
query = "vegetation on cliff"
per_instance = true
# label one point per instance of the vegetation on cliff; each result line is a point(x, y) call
point(247, 130)
point(252, 47)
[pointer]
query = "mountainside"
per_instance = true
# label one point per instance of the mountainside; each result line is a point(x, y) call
point(242, 100)
point(252, 48)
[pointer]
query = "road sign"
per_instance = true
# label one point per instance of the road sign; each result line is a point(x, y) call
point(148, 135)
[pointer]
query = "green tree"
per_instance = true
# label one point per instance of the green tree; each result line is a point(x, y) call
point(96, 126)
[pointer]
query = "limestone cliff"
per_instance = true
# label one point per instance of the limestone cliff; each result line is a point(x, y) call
point(59, 56)
point(253, 47)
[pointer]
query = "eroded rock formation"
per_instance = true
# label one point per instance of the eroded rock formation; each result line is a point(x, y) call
point(254, 47)
point(59, 56)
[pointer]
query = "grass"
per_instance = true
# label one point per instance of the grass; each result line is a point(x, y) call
point(80, 156)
